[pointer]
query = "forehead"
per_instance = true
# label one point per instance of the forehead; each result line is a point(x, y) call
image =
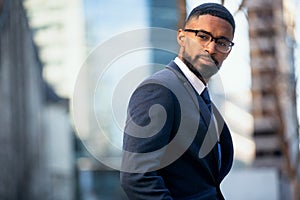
point(215, 25)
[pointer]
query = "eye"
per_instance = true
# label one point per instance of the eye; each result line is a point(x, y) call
point(222, 42)
point(203, 37)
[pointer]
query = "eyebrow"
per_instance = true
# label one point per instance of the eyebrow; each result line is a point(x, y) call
point(221, 37)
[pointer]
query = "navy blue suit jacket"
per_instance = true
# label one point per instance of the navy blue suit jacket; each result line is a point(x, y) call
point(166, 153)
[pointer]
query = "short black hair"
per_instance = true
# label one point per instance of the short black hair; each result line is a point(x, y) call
point(213, 9)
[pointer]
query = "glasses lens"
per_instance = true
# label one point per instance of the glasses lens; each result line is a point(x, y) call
point(223, 45)
point(204, 38)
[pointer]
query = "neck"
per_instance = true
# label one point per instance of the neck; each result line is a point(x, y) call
point(193, 69)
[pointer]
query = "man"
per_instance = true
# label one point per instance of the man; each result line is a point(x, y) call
point(176, 145)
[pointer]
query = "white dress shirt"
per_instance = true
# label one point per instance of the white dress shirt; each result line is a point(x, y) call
point(197, 84)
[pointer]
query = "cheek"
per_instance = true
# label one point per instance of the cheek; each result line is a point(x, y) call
point(192, 44)
point(221, 58)
point(192, 49)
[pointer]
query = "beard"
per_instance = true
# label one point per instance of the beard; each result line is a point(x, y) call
point(200, 69)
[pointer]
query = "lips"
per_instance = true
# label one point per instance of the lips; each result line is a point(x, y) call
point(209, 59)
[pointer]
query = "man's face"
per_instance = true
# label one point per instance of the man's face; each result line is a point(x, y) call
point(206, 59)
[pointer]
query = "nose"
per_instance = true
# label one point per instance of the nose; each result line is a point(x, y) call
point(210, 47)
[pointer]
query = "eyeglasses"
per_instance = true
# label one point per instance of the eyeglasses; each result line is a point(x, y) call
point(223, 45)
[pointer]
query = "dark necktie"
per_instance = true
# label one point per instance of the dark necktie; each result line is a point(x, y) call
point(206, 98)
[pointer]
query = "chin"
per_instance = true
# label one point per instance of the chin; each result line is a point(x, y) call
point(208, 70)
point(208, 73)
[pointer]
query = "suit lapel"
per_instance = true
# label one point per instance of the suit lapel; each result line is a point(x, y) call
point(197, 99)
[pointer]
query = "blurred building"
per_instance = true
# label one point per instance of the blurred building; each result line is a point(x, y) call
point(36, 151)
point(164, 14)
point(59, 33)
point(276, 126)
point(274, 172)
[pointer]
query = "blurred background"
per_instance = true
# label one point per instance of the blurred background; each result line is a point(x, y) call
point(44, 44)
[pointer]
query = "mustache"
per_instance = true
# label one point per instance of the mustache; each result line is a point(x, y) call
point(209, 57)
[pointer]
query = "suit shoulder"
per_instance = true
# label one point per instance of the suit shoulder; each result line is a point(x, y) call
point(164, 77)
point(157, 88)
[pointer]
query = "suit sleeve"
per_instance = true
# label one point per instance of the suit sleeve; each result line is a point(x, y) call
point(148, 128)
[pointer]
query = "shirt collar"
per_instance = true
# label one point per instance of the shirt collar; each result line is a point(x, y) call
point(192, 78)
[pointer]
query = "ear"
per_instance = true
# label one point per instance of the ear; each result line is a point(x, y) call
point(180, 37)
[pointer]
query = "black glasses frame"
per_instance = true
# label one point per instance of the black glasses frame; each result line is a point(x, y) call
point(212, 37)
